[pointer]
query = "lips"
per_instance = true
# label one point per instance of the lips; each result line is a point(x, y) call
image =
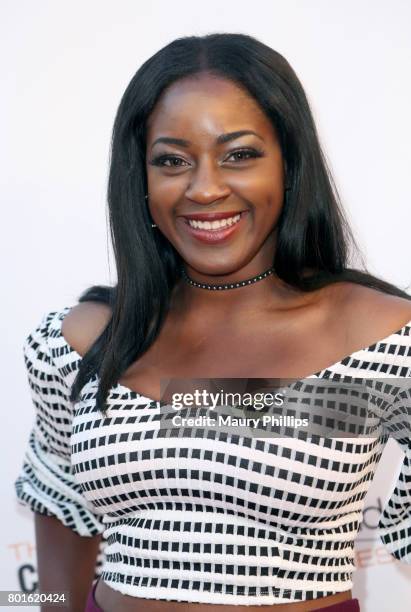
point(214, 236)
point(212, 216)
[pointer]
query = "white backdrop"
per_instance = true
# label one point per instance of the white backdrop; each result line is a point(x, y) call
point(64, 67)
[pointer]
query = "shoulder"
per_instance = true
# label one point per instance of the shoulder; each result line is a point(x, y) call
point(370, 314)
point(83, 324)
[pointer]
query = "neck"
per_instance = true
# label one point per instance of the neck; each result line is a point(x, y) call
point(229, 304)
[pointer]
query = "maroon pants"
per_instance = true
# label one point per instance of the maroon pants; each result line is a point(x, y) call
point(350, 605)
point(91, 605)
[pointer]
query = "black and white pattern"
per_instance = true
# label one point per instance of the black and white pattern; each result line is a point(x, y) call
point(221, 519)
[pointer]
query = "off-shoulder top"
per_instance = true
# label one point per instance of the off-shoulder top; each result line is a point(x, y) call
point(222, 518)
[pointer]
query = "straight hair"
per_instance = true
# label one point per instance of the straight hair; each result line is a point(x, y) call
point(312, 231)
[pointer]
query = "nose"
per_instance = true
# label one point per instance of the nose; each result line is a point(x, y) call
point(206, 184)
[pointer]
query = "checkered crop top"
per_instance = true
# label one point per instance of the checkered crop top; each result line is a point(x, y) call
point(222, 518)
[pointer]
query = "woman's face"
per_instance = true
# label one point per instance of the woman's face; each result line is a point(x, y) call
point(199, 164)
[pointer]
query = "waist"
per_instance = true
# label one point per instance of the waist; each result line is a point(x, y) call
point(106, 599)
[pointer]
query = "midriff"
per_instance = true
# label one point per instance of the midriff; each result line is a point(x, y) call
point(110, 600)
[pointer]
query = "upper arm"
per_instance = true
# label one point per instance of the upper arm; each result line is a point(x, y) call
point(46, 481)
point(84, 324)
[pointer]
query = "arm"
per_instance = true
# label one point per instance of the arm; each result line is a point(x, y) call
point(68, 529)
point(65, 561)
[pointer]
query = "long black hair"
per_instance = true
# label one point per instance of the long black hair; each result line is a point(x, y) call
point(312, 233)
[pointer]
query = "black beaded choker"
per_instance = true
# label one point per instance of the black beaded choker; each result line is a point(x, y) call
point(249, 281)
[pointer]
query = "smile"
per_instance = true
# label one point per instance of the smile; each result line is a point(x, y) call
point(214, 232)
point(214, 225)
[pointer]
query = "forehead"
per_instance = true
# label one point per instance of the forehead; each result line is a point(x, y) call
point(205, 104)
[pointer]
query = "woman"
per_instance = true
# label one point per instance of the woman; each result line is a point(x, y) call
point(231, 254)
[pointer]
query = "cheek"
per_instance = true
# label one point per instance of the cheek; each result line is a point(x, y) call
point(164, 189)
point(261, 187)
point(264, 193)
point(264, 184)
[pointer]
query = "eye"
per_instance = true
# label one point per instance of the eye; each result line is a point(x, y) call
point(245, 154)
point(173, 161)
point(161, 160)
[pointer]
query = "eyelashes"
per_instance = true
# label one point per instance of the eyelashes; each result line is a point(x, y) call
point(252, 153)
point(161, 159)
point(246, 154)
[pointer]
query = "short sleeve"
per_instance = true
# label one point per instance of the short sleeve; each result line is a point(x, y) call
point(395, 522)
point(46, 483)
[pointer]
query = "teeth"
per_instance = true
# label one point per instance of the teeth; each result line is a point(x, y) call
point(214, 224)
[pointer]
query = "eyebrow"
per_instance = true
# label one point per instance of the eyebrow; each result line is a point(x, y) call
point(223, 138)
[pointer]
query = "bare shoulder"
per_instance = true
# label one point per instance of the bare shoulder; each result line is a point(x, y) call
point(83, 324)
point(371, 314)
